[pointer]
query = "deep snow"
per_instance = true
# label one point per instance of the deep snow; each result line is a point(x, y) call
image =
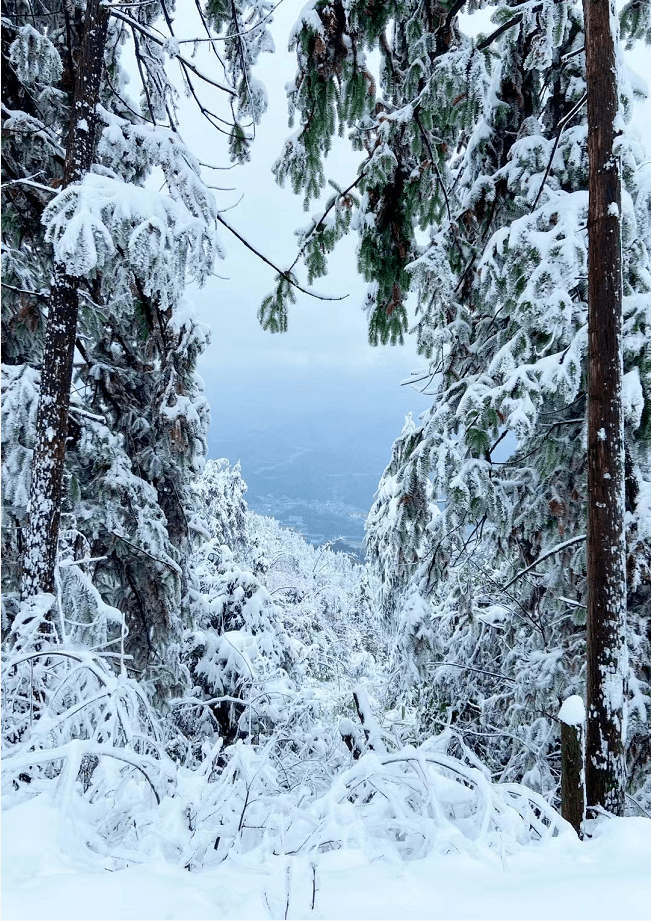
point(48, 873)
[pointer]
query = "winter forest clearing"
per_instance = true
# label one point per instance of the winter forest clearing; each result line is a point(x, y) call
point(203, 714)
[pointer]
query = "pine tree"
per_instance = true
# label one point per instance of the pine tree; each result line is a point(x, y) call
point(481, 145)
point(135, 436)
point(49, 451)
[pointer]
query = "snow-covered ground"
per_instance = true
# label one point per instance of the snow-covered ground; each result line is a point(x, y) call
point(47, 872)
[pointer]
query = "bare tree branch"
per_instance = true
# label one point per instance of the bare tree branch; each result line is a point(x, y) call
point(286, 274)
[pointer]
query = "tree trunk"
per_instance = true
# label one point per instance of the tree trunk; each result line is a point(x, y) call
point(61, 328)
point(606, 570)
point(572, 776)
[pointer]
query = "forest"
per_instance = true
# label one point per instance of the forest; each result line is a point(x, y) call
point(203, 714)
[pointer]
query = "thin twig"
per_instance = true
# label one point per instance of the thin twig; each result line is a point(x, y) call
point(284, 274)
point(561, 125)
point(169, 563)
point(635, 803)
point(481, 671)
point(227, 38)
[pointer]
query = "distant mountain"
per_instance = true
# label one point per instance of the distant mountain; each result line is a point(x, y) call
point(317, 478)
point(313, 442)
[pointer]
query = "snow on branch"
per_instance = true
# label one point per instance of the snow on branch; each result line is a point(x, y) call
point(89, 223)
point(557, 549)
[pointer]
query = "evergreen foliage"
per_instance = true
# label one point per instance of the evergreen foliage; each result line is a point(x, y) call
point(202, 682)
point(137, 433)
point(635, 19)
point(474, 195)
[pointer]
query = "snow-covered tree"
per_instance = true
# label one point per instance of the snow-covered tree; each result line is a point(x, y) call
point(473, 193)
point(87, 241)
point(607, 661)
point(276, 626)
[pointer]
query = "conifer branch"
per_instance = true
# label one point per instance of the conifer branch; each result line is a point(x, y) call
point(516, 20)
point(28, 181)
point(495, 444)
point(471, 668)
point(509, 24)
point(319, 223)
point(169, 563)
point(124, 6)
point(145, 85)
point(384, 44)
point(434, 163)
point(525, 615)
point(242, 57)
point(454, 9)
point(40, 295)
point(206, 28)
point(138, 115)
point(561, 126)
point(545, 556)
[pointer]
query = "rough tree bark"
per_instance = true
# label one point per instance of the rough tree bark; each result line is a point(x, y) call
point(606, 569)
point(572, 776)
point(61, 328)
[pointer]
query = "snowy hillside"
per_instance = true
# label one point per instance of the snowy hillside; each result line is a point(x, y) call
point(206, 713)
point(331, 815)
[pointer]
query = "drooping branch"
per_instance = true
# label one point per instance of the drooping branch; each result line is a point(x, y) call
point(319, 223)
point(160, 40)
point(544, 556)
point(561, 127)
point(284, 273)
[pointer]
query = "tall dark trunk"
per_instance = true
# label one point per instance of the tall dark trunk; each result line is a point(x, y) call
point(606, 570)
point(61, 328)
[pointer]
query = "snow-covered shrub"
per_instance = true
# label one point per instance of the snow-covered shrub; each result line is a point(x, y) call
point(220, 492)
point(418, 800)
point(406, 804)
point(279, 633)
point(240, 657)
point(328, 599)
point(401, 805)
point(73, 721)
point(280, 630)
point(66, 712)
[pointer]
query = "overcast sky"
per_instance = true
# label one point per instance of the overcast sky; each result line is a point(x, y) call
point(323, 364)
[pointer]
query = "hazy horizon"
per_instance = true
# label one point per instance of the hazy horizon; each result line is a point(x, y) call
point(315, 409)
